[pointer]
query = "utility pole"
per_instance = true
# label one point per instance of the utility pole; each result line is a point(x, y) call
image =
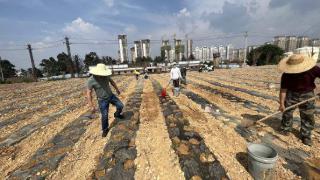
point(2, 77)
point(245, 47)
point(69, 56)
point(32, 62)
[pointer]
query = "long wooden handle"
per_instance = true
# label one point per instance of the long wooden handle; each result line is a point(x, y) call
point(288, 108)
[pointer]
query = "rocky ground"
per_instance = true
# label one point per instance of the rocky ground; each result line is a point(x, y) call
point(48, 132)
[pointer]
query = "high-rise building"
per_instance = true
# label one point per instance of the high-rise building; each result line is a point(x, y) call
point(179, 49)
point(133, 55)
point(291, 43)
point(145, 45)
point(123, 48)
point(189, 48)
point(315, 42)
point(280, 41)
point(165, 50)
point(303, 41)
point(197, 53)
point(137, 49)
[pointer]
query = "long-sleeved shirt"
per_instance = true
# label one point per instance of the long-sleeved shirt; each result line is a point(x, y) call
point(175, 73)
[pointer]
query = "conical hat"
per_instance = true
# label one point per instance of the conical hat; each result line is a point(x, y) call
point(296, 63)
point(100, 70)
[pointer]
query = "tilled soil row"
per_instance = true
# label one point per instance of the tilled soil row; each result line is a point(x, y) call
point(25, 131)
point(43, 93)
point(18, 154)
point(247, 91)
point(117, 161)
point(156, 159)
point(81, 161)
point(43, 110)
point(196, 160)
point(292, 155)
point(251, 92)
point(35, 103)
point(39, 109)
point(46, 159)
point(22, 89)
point(230, 97)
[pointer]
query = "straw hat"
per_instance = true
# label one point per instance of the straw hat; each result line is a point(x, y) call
point(100, 70)
point(296, 63)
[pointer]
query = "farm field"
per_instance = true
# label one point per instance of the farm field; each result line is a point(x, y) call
point(47, 130)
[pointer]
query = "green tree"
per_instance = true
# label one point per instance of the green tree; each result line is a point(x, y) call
point(91, 59)
point(8, 68)
point(158, 59)
point(77, 63)
point(64, 63)
point(265, 55)
point(50, 67)
point(37, 71)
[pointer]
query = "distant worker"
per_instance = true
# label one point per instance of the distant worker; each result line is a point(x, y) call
point(184, 75)
point(175, 75)
point(297, 84)
point(136, 73)
point(99, 81)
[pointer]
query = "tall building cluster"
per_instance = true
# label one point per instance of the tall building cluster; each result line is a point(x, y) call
point(290, 43)
point(141, 48)
point(176, 52)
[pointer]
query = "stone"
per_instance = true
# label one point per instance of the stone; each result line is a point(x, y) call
point(176, 140)
point(128, 164)
point(194, 141)
point(183, 149)
point(210, 158)
point(172, 125)
point(132, 142)
point(196, 178)
point(203, 158)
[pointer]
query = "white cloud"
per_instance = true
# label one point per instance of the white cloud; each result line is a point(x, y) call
point(109, 3)
point(79, 26)
point(184, 13)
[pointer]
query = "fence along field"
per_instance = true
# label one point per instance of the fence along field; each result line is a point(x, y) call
point(49, 134)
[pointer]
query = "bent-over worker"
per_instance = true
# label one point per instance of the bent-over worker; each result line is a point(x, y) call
point(297, 84)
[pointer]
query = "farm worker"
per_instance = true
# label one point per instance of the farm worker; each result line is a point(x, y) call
point(175, 75)
point(297, 84)
point(136, 73)
point(99, 81)
point(184, 75)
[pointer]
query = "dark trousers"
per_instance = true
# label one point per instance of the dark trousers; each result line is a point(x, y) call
point(176, 83)
point(306, 113)
point(104, 109)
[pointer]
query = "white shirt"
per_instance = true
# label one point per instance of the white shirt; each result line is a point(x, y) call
point(175, 73)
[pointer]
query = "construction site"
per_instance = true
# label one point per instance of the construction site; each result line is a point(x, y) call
point(49, 132)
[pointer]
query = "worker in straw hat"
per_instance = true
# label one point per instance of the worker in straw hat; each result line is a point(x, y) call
point(297, 84)
point(99, 81)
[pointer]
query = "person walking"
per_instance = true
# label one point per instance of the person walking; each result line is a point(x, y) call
point(99, 81)
point(297, 84)
point(136, 73)
point(175, 75)
point(184, 75)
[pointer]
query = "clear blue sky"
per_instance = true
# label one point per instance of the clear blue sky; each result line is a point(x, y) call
point(44, 23)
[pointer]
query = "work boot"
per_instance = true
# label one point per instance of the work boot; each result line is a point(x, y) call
point(307, 141)
point(119, 116)
point(105, 132)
